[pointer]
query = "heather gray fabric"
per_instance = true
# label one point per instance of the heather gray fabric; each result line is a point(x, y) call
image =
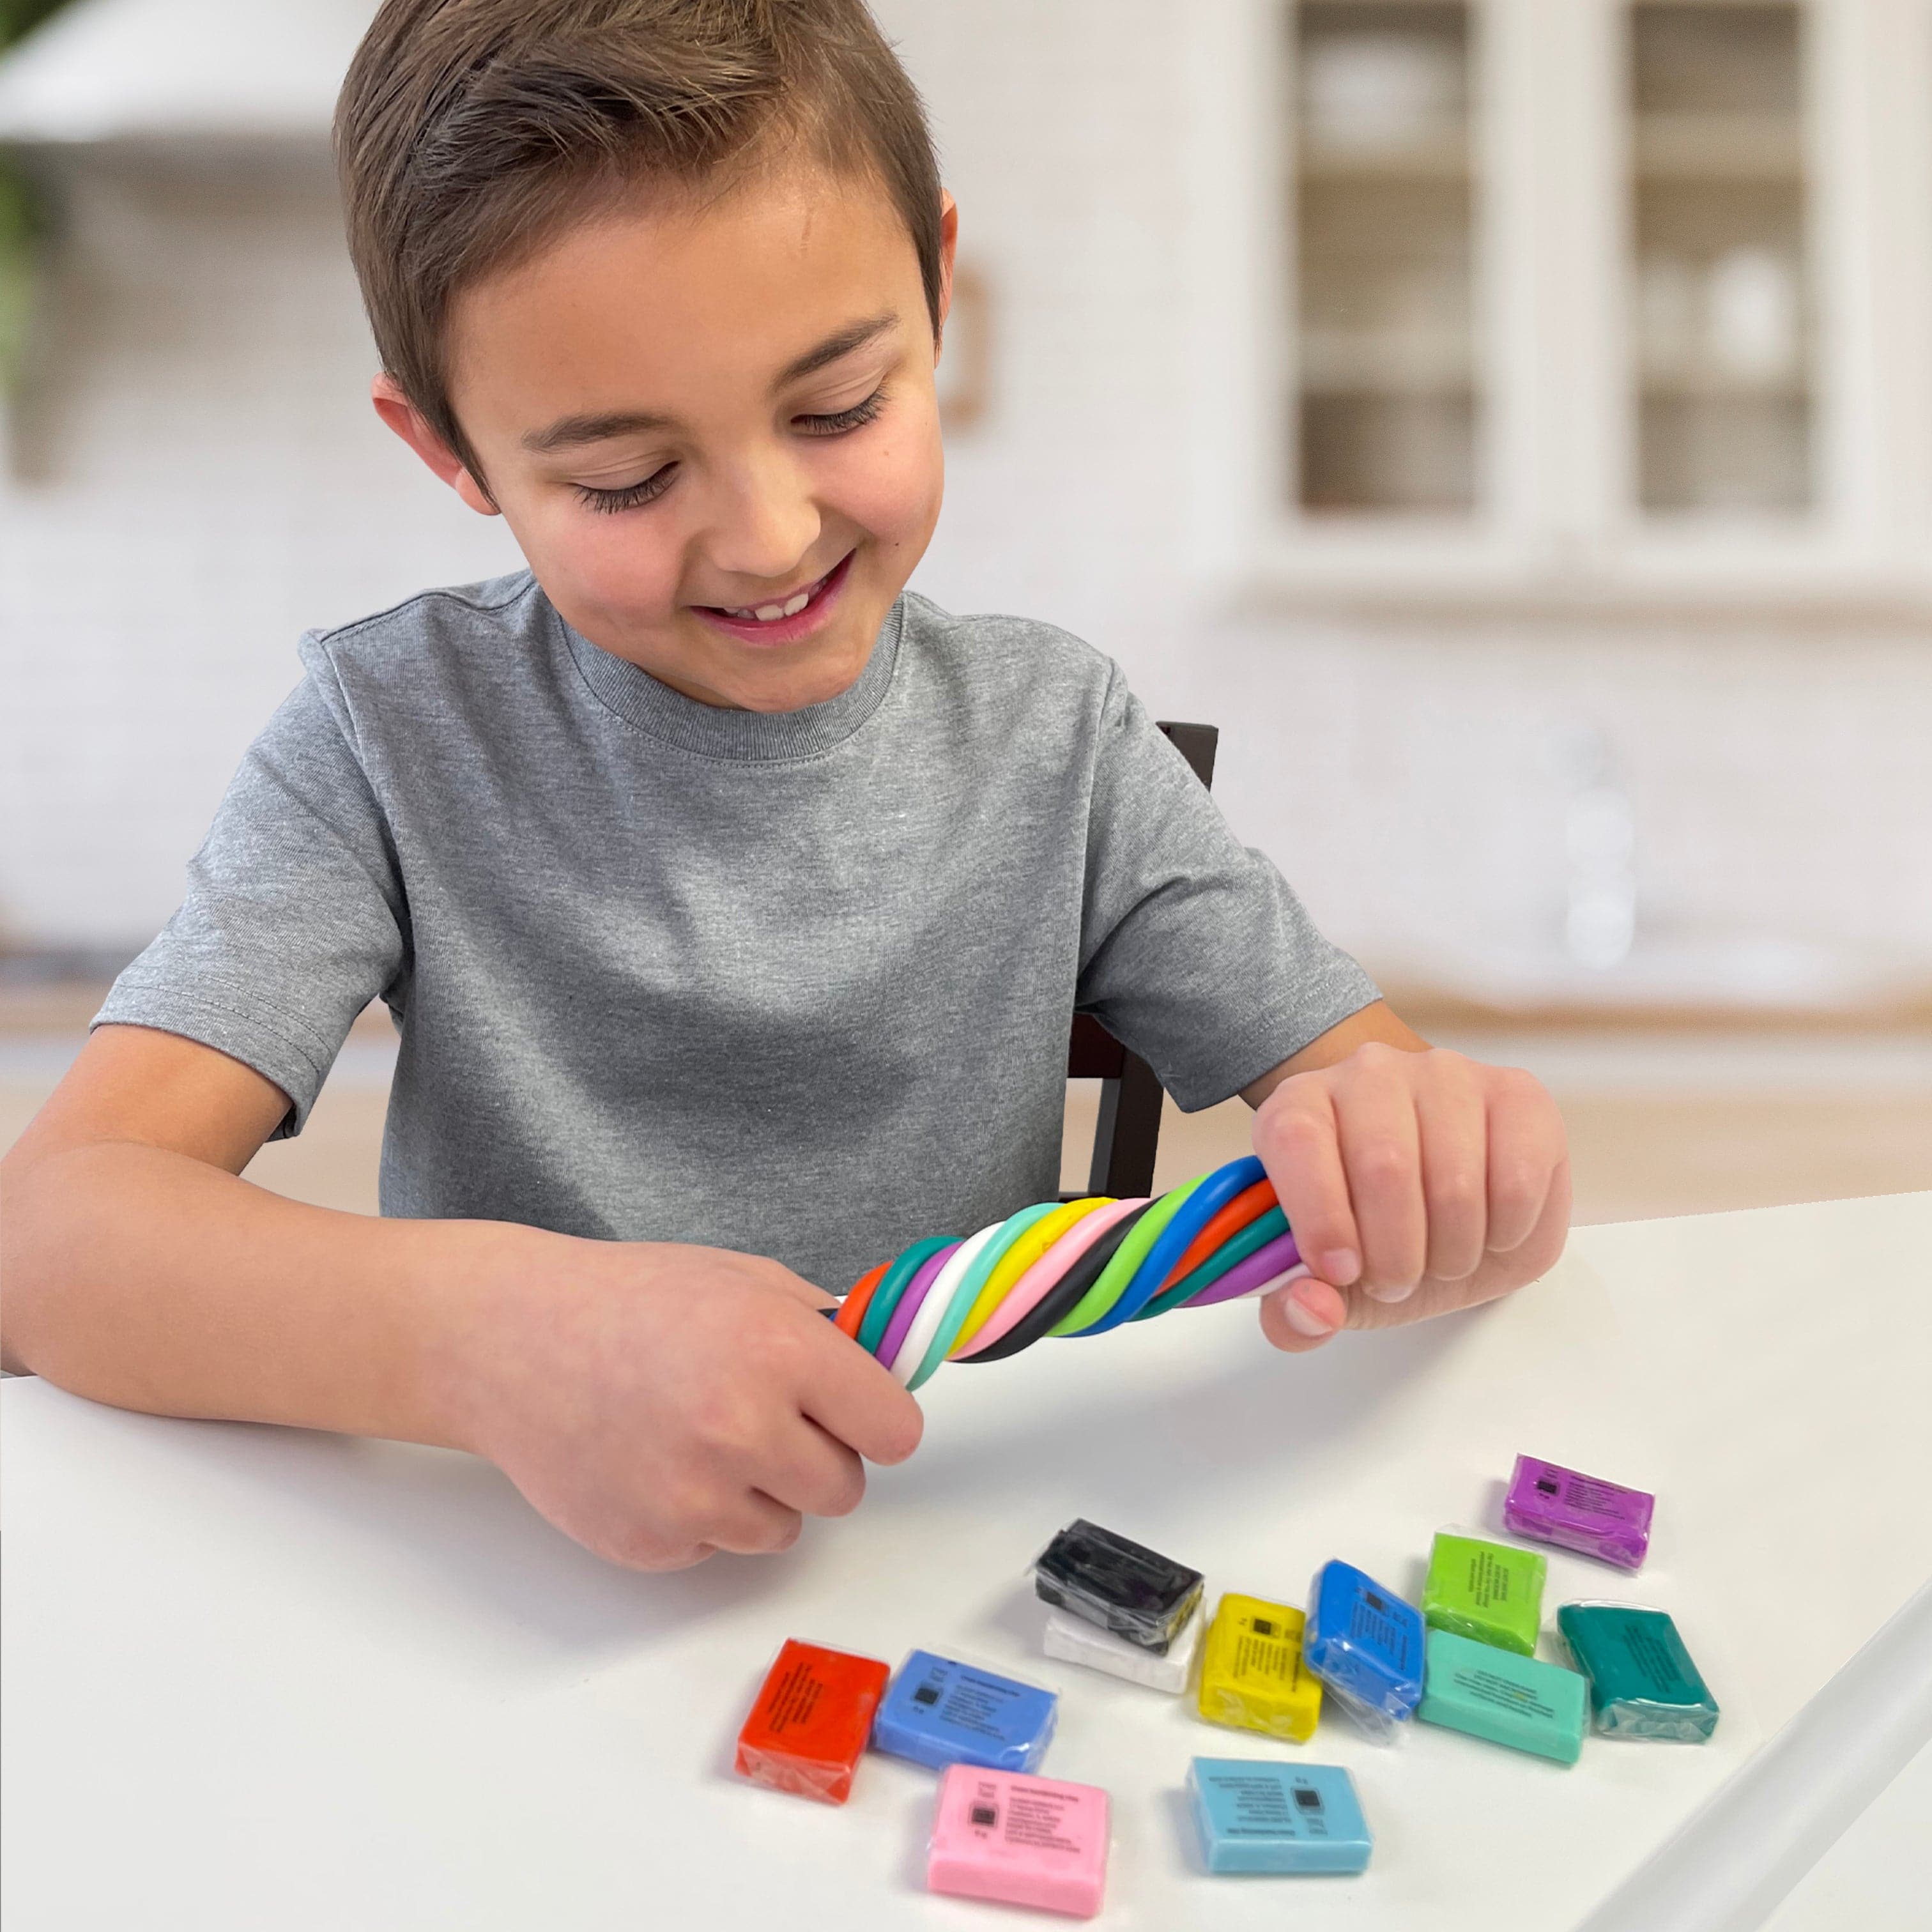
point(796, 984)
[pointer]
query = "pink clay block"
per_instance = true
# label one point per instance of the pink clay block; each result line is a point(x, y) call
point(1023, 1840)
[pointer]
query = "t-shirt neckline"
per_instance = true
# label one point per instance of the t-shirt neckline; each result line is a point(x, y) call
point(713, 731)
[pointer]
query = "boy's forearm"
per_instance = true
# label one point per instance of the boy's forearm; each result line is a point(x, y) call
point(144, 1278)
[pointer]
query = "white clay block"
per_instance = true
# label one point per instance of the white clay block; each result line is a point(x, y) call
point(1075, 1641)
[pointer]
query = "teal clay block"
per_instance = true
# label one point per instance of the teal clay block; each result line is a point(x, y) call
point(1642, 1682)
point(1489, 1592)
point(1508, 1699)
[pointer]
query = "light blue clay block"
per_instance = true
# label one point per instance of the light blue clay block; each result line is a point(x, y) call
point(1255, 1816)
point(1508, 1699)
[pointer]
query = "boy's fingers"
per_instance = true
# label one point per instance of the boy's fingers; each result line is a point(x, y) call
point(755, 1525)
point(1453, 1129)
point(1303, 1316)
point(818, 1476)
point(1525, 1133)
point(1381, 1156)
point(1295, 1141)
point(857, 1401)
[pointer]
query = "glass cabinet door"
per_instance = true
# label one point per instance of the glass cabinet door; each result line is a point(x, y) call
point(1722, 321)
point(1386, 400)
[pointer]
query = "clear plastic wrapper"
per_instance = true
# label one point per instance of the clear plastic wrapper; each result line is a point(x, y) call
point(1643, 1682)
point(1491, 1592)
point(1074, 1640)
point(1254, 1815)
point(1139, 1595)
point(1549, 1503)
point(1253, 1676)
point(1034, 1841)
point(939, 1712)
point(811, 1721)
point(1366, 1644)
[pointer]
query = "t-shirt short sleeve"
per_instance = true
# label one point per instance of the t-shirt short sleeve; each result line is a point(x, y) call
point(294, 919)
point(1195, 951)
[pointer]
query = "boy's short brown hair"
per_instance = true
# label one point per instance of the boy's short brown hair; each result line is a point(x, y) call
point(470, 133)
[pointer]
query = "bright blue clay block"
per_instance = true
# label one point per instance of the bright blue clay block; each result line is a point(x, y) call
point(1254, 1815)
point(938, 1712)
point(1364, 1642)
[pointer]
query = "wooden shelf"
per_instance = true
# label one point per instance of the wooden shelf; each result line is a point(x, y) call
point(1389, 364)
point(1718, 148)
point(1441, 155)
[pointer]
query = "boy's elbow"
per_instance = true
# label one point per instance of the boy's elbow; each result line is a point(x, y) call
point(37, 1207)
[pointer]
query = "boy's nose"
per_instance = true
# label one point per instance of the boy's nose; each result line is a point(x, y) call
point(763, 527)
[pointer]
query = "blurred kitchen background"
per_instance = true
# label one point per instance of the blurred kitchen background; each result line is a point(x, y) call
point(1510, 420)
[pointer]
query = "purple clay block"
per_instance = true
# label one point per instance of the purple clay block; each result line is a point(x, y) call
point(1550, 1504)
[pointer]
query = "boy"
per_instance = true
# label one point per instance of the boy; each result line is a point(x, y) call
point(731, 903)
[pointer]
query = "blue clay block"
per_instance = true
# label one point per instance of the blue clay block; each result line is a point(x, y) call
point(1254, 1815)
point(939, 1712)
point(1364, 1643)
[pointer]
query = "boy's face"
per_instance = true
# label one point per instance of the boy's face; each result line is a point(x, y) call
point(691, 415)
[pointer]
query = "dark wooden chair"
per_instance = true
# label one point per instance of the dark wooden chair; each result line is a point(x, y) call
point(1127, 1134)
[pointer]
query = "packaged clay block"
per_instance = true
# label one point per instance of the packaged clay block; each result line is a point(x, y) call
point(1642, 1682)
point(1073, 1640)
point(1365, 1645)
point(938, 1711)
point(1252, 1674)
point(1253, 1815)
point(1022, 1840)
point(1550, 1504)
point(808, 1727)
point(1506, 1698)
point(1137, 1593)
point(1488, 1591)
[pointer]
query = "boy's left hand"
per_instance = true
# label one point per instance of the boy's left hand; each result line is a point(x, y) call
point(1415, 1183)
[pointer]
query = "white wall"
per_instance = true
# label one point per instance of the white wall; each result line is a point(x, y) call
point(210, 482)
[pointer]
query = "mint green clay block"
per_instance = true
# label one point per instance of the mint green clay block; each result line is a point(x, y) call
point(1489, 1592)
point(1508, 1699)
point(1642, 1682)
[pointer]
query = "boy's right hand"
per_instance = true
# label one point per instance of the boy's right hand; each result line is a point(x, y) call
point(661, 1402)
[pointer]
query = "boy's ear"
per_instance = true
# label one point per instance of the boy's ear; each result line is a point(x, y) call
point(408, 422)
point(949, 246)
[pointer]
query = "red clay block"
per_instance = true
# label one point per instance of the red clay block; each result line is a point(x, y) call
point(808, 1729)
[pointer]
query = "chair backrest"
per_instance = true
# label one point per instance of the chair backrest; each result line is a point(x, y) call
point(1127, 1135)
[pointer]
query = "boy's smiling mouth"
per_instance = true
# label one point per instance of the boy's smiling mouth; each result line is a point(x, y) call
point(782, 620)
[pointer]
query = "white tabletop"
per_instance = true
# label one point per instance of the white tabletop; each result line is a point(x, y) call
point(258, 1677)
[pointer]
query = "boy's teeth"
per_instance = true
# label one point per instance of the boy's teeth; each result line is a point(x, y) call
point(769, 613)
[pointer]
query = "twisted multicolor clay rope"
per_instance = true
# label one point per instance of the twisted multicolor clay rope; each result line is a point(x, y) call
point(1078, 1268)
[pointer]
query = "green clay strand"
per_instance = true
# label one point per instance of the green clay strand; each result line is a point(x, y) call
point(1122, 1269)
point(970, 1283)
point(899, 1278)
point(1263, 1229)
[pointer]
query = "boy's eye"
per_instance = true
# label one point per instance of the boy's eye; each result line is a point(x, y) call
point(837, 424)
point(632, 496)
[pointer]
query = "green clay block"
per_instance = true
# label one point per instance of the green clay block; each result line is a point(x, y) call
point(1642, 1682)
point(1508, 1699)
point(1486, 1590)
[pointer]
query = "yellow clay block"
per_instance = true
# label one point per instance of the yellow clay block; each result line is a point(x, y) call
point(1251, 1670)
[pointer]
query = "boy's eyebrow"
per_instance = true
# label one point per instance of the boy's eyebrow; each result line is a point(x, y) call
point(572, 432)
point(568, 432)
point(854, 335)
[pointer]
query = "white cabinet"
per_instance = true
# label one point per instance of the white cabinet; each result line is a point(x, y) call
point(1565, 301)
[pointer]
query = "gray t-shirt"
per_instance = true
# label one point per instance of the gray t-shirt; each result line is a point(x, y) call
point(797, 984)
